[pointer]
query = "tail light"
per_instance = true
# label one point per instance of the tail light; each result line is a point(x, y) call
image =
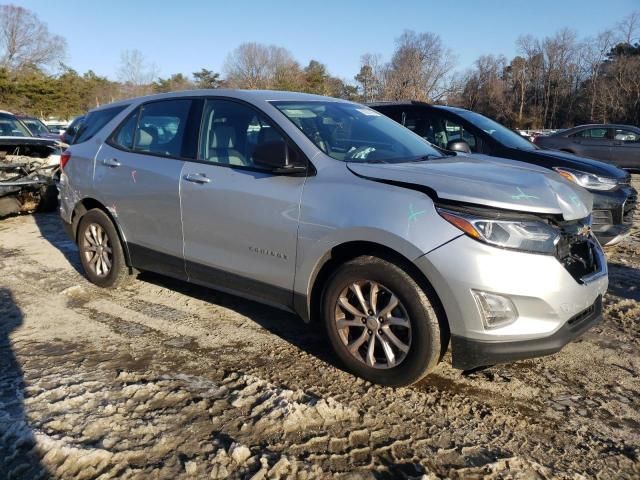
point(64, 159)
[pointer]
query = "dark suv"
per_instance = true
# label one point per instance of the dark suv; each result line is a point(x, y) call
point(450, 128)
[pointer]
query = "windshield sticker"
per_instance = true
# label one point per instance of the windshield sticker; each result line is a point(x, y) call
point(413, 215)
point(368, 112)
point(523, 196)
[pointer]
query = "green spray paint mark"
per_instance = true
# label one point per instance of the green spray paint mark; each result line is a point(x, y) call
point(413, 215)
point(522, 195)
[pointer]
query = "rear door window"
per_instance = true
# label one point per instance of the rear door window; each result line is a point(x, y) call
point(94, 122)
point(592, 133)
point(161, 128)
point(123, 138)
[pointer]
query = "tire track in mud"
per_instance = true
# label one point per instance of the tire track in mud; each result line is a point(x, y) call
point(189, 384)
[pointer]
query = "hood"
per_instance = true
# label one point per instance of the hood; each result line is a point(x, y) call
point(500, 184)
point(569, 160)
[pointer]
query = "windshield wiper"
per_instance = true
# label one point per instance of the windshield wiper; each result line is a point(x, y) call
point(429, 156)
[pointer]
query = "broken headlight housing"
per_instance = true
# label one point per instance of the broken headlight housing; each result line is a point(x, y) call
point(528, 235)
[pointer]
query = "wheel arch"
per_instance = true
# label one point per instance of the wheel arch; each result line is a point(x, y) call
point(308, 306)
point(86, 204)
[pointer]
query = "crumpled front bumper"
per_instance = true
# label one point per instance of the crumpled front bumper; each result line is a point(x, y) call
point(547, 298)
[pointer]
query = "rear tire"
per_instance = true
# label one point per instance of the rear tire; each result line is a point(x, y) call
point(399, 319)
point(101, 251)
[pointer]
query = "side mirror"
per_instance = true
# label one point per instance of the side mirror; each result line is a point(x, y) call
point(459, 146)
point(275, 157)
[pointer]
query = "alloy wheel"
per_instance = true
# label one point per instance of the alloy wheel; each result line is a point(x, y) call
point(97, 250)
point(373, 324)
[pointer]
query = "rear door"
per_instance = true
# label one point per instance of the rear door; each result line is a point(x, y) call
point(138, 174)
point(240, 221)
point(625, 151)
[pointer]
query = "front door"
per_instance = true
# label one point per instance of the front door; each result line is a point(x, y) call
point(625, 151)
point(240, 221)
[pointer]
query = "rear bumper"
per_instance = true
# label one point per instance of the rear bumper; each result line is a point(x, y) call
point(468, 353)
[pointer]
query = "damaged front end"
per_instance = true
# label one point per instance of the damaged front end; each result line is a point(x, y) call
point(28, 173)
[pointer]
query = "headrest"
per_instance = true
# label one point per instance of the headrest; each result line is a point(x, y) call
point(146, 136)
point(223, 137)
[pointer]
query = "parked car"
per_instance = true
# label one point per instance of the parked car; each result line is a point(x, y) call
point(56, 126)
point(36, 127)
point(329, 209)
point(452, 128)
point(616, 144)
point(68, 135)
point(10, 126)
point(29, 168)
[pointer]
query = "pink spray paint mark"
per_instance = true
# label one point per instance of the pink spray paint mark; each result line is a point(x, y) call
point(133, 175)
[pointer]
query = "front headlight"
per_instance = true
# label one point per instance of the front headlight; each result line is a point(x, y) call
point(587, 180)
point(527, 235)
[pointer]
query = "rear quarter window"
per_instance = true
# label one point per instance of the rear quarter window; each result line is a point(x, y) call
point(94, 122)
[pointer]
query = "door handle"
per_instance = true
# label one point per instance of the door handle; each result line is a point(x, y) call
point(111, 162)
point(197, 178)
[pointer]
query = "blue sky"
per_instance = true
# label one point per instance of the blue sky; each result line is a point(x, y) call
point(188, 35)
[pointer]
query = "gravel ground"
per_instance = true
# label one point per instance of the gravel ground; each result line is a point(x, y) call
point(167, 380)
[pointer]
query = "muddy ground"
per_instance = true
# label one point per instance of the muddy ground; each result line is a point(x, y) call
point(166, 380)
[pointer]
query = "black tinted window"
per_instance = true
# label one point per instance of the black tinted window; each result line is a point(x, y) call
point(162, 126)
point(437, 130)
point(125, 134)
point(231, 132)
point(94, 122)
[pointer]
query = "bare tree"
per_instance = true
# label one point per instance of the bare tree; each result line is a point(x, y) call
point(135, 72)
point(629, 28)
point(419, 68)
point(254, 66)
point(25, 41)
point(370, 77)
point(594, 52)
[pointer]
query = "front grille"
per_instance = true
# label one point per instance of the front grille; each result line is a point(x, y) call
point(629, 208)
point(576, 322)
point(575, 250)
point(602, 217)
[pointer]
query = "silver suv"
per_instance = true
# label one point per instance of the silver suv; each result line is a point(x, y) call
point(331, 210)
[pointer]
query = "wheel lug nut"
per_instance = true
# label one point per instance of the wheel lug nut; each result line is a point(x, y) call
point(364, 320)
point(370, 312)
point(381, 319)
point(369, 331)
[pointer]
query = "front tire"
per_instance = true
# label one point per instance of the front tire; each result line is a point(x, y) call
point(101, 251)
point(380, 322)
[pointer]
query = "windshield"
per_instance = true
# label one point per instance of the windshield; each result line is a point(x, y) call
point(501, 133)
point(36, 126)
point(355, 133)
point(12, 127)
